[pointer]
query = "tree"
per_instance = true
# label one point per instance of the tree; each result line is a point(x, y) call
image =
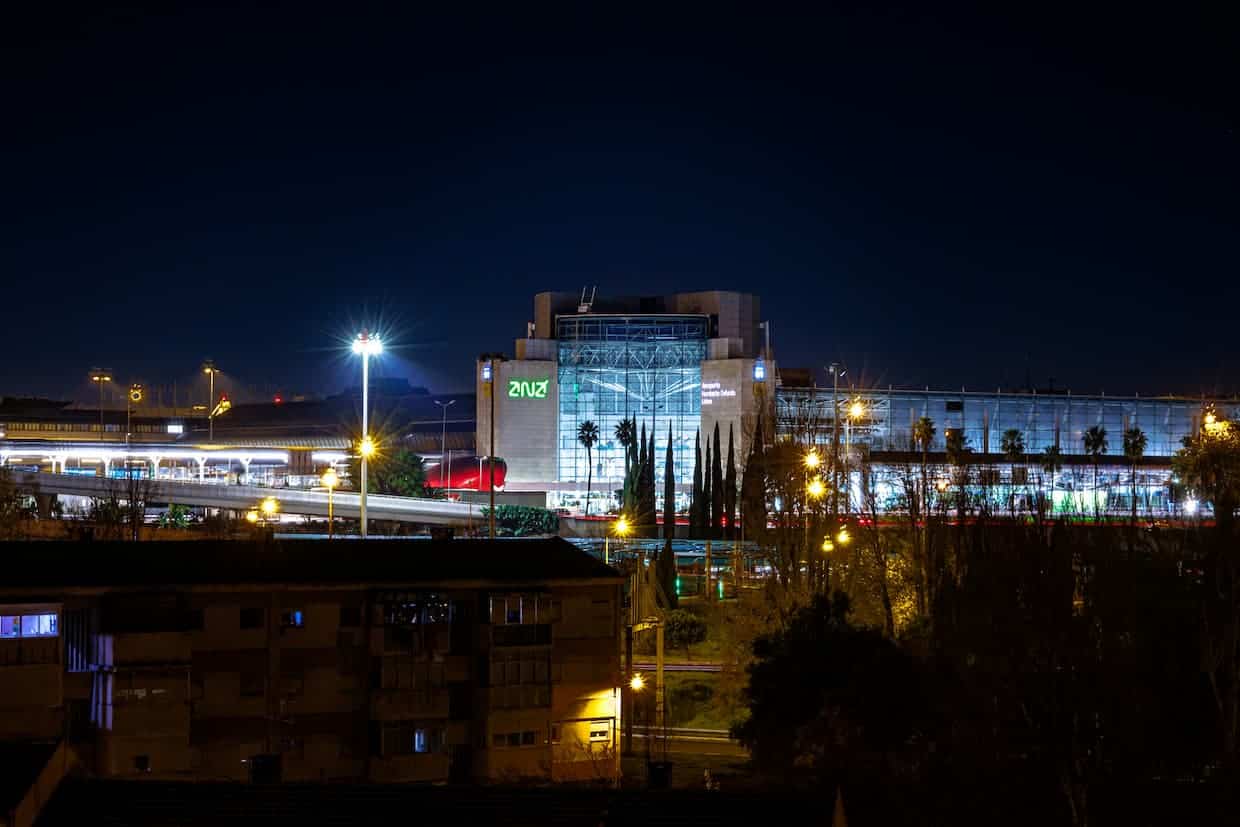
point(667, 560)
point(707, 495)
point(1095, 442)
point(683, 629)
point(1013, 446)
point(587, 435)
point(1052, 462)
point(923, 435)
point(646, 516)
point(400, 473)
point(695, 503)
point(845, 711)
point(1135, 442)
point(11, 505)
point(716, 489)
point(626, 435)
point(958, 451)
point(729, 487)
point(753, 487)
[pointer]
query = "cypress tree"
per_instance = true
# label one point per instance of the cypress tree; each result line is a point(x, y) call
point(643, 517)
point(716, 488)
point(695, 504)
point(729, 486)
point(707, 498)
point(753, 487)
point(649, 490)
point(667, 560)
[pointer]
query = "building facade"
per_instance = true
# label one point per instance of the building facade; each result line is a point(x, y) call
point(677, 365)
point(874, 428)
point(400, 661)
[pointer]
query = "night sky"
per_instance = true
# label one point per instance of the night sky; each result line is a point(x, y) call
point(978, 199)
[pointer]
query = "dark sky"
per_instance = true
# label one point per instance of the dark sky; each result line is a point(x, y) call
point(944, 198)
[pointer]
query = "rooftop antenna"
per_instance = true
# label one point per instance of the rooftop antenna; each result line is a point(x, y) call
point(586, 303)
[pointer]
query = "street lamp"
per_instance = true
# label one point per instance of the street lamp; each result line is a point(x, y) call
point(135, 396)
point(443, 446)
point(843, 537)
point(270, 507)
point(812, 460)
point(330, 480)
point(816, 488)
point(622, 528)
point(209, 368)
point(366, 345)
point(638, 683)
point(99, 376)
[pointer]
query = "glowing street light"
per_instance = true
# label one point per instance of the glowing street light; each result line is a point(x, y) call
point(366, 345)
point(269, 506)
point(209, 368)
point(812, 460)
point(816, 488)
point(330, 480)
point(827, 545)
point(251, 516)
point(622, 526)
point(622, 529)
point(856, 410)
point(638, 683)
point(843, 537)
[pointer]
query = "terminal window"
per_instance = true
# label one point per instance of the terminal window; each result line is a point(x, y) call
point(31, 625)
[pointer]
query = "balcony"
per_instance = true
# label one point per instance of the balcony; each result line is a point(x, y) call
point(404, 704)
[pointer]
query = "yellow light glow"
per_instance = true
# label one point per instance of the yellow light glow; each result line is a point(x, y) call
point(827, 545)
point(1211, 418)
point(856, 410)
point(269, 506)
point(367, 448)
point(843, 537)
point(251, 516)
point(812, 460)
point(637, 683)
point(941, 485)
point(330, 478)
point(816, 488)
point(622, 526)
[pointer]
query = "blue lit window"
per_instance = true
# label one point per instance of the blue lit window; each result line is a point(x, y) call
point(33, 625)
point(292, 619)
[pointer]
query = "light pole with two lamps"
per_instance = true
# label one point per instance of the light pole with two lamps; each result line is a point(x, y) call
point(99, 376)
point(366, 345)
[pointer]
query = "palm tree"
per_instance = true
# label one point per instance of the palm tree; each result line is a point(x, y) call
point(1134, 448)
point(1095, 442)
point(923, 435)
point(587, 435)
point(1013, 445)
point(1052, 461)
point(626, 435)
point(958, 450)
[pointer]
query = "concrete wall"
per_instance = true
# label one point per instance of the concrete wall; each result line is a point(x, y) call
point(525, 431)
point(731, 397)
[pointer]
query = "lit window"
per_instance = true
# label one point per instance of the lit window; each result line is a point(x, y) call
point(176, 429)
point(420, 743)
point(40, 625)
point(600, 731)
point(10, 626)
point(292, 619)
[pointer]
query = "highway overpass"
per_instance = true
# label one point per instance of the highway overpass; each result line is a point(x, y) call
point(246, 497)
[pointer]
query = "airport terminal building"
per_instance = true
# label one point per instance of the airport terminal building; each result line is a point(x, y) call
point(682, 363)
point(678, 364)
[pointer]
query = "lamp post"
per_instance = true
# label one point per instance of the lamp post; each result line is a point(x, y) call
point(856, 410)
point(366, 345)
point(330, 481)
point(209, 368)
point(99, 376)
point(813, 488)
point(836, 371)
point(622, 530)
point(488, 379)
point(135, 395)
point(443, 445)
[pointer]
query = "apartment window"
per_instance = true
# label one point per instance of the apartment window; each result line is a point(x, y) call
point(292, 619)
point(527, 738)
point(252, 618)
point(350, 616)
point(32, 625)
point(253, 684)
point(514, 739)
point(406, 738)
point(600, 731)
point(555, 733)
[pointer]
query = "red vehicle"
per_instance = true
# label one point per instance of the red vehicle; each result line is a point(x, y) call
point(470, 473)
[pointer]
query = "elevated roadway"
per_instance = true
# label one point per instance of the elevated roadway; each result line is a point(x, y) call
point(245, 497)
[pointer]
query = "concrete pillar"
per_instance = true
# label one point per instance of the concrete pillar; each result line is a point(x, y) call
point(202, 468)
point(154, 467)
point(245, 468)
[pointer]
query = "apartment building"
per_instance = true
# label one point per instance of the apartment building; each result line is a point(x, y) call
point(400, 661)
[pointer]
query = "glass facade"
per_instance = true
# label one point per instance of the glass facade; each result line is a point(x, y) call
point(613, 368)
point(881, 422)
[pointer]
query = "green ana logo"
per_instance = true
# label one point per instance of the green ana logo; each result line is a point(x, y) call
point(528, 388)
